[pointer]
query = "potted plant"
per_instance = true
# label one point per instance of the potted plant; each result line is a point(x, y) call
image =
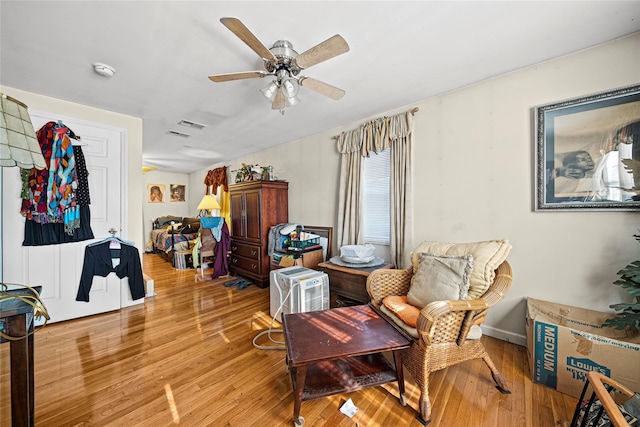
point(629, 316)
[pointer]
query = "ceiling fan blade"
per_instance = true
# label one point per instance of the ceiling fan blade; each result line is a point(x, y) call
point(279, 102)
point(236, 76)
point(329, 48)
point(243, 33)
point(322, 88)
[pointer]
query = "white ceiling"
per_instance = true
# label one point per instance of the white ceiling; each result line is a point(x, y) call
point(400, 52)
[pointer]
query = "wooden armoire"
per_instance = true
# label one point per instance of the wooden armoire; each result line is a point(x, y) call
point(256, 206)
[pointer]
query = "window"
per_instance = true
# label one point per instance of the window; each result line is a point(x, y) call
point(376, 198)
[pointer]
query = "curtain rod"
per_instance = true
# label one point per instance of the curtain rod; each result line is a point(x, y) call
point(413, 111)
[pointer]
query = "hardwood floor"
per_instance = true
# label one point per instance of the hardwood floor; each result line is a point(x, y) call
point(186, 357)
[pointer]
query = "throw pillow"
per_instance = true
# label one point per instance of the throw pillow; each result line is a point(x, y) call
point(406, 312)
point(487, 256)
point(164, 221)
point(440, 277)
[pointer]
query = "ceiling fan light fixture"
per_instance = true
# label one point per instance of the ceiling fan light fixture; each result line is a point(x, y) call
point(290, 87)
point(269, 92)
point(291, 101)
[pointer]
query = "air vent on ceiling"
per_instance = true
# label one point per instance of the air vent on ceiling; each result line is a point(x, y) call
point(190, 124)
point(176, 133)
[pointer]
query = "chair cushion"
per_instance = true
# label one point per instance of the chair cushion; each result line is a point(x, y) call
point(440, 277)
point(399, 306)
point(487, 256)
point(411, 330)
point(475, 332)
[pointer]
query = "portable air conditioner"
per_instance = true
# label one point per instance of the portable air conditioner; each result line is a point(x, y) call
point(297, 290)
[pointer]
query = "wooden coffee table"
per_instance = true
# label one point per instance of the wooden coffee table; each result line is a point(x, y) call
point(340, 350)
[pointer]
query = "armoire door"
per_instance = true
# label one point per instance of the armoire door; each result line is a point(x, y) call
point(236, 202)
point(57, 268)
point(253, 214)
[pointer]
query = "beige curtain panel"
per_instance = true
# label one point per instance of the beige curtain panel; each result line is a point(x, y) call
point(377, 135)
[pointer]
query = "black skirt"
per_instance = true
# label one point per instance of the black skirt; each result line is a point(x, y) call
point(36, 234)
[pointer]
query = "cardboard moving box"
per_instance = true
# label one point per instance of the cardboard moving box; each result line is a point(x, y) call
point(564, 343)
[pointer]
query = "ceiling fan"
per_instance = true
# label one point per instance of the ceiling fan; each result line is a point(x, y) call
point(285, 64)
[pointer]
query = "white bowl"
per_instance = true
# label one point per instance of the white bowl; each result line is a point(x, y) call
point(357, 251)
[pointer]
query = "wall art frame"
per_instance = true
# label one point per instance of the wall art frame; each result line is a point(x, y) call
point(178, 192)
point(587, 154)
point(155, 193)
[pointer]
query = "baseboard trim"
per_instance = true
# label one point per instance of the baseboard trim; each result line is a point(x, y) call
point(149, 285)
point(504, 335)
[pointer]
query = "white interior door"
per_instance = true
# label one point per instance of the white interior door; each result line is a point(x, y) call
point(57, 268)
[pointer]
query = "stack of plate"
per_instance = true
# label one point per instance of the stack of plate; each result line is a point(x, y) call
point(356, 260)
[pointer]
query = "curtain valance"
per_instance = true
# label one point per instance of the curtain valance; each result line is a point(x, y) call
point(376, 135)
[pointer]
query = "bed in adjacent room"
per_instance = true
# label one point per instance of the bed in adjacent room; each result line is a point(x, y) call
point(173, 234)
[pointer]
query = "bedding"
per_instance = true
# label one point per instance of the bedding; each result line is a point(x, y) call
point(172, 233)
point(164, 240)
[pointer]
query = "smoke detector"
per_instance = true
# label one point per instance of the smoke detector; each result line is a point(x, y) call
point(103, 69)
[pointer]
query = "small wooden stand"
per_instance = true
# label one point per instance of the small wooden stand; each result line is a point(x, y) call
point(348, 285)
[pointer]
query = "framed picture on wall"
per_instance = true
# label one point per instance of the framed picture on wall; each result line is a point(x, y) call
point(178, 192)
point(588, 152)
point(155, 193)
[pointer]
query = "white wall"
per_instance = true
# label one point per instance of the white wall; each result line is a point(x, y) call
point(474, 180)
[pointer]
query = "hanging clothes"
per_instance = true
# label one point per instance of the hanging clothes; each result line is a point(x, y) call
point(220, 266)
point(99, 261)
point(63, 181)
point(216, 241)
point(214, 223)
point(34, 202)
point(55, 200)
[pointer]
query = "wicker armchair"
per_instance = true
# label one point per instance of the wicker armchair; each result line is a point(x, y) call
point(442, 328)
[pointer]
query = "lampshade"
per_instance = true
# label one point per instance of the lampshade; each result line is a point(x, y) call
point(290, 88)
point(18, 143)
point(208, 203)
point(269, 92)
point(291, 101)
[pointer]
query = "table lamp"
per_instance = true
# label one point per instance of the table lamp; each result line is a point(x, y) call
point(19, 146)
point(18, 142)
point(207, 204)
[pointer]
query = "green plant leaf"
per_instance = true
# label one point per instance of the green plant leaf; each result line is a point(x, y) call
point(629, 281)
point(623, 322)
point(624, 306)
